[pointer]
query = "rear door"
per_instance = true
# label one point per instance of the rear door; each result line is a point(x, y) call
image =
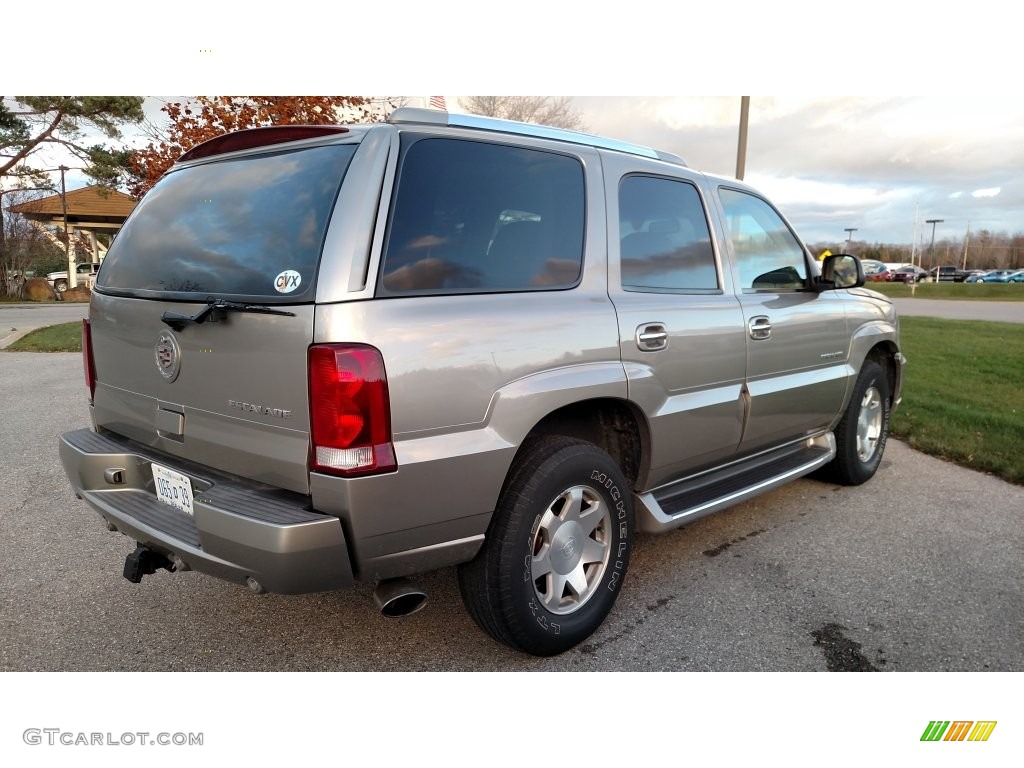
point(230, 391)
point(680, 331)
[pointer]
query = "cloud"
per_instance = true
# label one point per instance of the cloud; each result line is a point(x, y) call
point(840, 162)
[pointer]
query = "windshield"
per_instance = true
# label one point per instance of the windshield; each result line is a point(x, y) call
point(249, 227)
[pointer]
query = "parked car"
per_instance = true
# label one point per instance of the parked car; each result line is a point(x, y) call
point(997, 276)
point(947, 274)
point(1016, 277)
point(16, 279)
point(875, 271)
point(86, 274)
point(975, 275)
point(451, 340)
point(907, 274)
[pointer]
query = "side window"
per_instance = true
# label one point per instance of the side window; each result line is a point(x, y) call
point(473, 217)
point(664, 240)
point(769, 257)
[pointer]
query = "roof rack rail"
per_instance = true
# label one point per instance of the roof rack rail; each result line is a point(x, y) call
point(419, 116)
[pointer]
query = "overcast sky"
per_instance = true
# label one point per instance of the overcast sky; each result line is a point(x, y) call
point(832, 163)
point(955, 153)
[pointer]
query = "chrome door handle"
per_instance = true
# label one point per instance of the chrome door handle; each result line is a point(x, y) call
point(760, 327)
point(651, 337)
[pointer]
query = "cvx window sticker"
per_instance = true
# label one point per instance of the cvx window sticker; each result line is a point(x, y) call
point(287, 281)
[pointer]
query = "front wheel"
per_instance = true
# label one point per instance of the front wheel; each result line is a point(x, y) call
point(557, 549)
point(863, 430)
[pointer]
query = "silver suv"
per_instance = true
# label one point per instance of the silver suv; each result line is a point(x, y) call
point(317, 355)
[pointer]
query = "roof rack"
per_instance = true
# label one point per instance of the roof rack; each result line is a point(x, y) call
point(418, 116)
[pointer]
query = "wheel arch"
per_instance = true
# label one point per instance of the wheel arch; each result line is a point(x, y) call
point(885, 354)
point(877, 341)
point(616, 426)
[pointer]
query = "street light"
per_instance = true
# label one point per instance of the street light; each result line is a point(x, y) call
point(72, 267)
point(933, 222)
point(72, 272)
point(849, 236)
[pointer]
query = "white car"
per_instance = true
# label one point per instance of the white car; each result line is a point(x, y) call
point(86, 276)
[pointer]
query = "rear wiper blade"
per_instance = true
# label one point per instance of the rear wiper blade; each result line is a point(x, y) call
point(178, 322)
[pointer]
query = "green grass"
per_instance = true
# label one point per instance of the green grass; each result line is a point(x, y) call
point(66, 337)
point(963, 396)
point(965, 291)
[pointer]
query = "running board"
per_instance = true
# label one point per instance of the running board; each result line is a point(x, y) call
point(691, 499)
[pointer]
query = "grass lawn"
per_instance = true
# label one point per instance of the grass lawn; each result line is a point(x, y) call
point(963, 397)
point(66, 337)
point(964, 291)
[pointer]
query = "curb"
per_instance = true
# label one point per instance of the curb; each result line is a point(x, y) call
point(14, 335)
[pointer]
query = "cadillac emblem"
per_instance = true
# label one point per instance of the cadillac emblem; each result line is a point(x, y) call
point(168, 356)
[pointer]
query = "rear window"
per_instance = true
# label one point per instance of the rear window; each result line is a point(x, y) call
point(474, 217)
point(247, 227)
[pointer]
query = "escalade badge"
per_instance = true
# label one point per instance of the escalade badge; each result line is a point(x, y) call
point(168, 356)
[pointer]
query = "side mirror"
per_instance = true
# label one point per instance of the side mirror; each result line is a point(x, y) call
point(840, 270)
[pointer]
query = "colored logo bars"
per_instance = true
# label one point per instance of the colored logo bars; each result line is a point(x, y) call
point(958, 730)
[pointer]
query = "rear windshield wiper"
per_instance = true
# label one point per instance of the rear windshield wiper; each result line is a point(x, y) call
point(178, 322)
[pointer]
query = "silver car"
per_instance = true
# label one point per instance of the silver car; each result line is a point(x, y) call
point(317, 355)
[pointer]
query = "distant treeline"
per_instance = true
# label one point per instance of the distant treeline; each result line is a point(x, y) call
point(984, 250)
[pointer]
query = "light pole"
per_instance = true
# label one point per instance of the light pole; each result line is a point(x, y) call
point(933, 222)
point(72, 267)
point(849, 236)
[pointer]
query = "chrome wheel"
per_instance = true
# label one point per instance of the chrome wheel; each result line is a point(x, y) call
point(557, 549)
point(570, 546)
point(869, 424)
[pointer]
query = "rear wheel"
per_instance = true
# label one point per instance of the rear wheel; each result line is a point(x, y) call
point(863, 430)
point(557, 550)
point(60, 285)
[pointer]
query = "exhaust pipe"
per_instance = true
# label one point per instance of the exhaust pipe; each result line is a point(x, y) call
point(398, 597)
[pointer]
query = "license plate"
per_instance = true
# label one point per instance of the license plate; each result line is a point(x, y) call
point(173, 488)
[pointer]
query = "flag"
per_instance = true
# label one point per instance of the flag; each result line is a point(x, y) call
point(437, 102)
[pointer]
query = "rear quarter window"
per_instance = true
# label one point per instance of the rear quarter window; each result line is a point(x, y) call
point(250, 227)
point(475, 217)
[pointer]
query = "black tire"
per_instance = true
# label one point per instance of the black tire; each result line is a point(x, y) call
point(863, 430)
point(532, 585)
point(60, 285)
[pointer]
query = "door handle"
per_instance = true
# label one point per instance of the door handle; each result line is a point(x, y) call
point(651, 337)
point(760, 328)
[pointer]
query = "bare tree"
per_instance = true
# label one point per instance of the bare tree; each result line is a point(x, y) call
point(556, 111)
point(23, 246)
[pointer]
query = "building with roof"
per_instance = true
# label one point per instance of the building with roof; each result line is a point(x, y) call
point(90, 211)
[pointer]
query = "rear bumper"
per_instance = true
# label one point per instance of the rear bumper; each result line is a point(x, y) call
point(239, 529)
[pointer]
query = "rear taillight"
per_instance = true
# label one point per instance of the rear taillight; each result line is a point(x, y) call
point(350, 412)
point(87, 360)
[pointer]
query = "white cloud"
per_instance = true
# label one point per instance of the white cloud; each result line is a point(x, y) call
point(989, 192)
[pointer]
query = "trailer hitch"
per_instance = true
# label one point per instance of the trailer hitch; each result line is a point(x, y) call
point(144, 561)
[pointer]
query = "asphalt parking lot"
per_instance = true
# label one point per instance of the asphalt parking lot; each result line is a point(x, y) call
point(920, 569)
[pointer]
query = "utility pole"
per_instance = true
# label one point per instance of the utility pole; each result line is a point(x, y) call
point(741, 150)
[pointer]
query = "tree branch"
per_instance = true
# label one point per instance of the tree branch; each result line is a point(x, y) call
point(31, 146)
